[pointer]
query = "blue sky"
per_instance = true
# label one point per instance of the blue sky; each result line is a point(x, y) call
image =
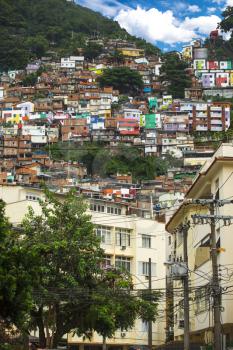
point(165, 23)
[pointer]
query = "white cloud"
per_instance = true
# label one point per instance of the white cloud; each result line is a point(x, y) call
point(202, 24)
point(155, 25)
point(194, 8)
point(229, 3)
point(211, 9)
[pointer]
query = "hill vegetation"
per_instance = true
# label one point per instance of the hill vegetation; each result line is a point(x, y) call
point(104, 162)
point(29, 29)
point(174, 76)
point(219, 48)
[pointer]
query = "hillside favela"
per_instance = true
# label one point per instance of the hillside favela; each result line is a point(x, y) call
point(116, 175)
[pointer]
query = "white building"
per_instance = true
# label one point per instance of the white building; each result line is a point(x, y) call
point(66, 62)
point(37, 133)
point(128, 241)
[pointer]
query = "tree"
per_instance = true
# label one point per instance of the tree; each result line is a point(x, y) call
point(74, 293)
point(30, 79)
point(123, 79)
point(37, 45)
point(92, 50)
point(117, 58)
point(174, 76)
point(227, 22)
point(116, 306)
point(15, 279)
point(68, 255)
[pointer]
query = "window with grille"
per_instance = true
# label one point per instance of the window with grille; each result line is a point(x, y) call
point(202, 299)
point(122, 237)
point(143, 268)
point(146, 241)
point(123, 263)
point(104, 233)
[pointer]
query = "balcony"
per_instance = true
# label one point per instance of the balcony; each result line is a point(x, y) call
point(202, 256)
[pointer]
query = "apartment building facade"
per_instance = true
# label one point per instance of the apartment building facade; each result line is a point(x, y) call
point(215, 179)
point(128, 241)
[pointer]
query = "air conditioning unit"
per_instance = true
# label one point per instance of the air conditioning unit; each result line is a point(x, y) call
point(180, 323)
point(123, 247)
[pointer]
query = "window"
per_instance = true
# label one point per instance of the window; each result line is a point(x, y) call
point(180, 313)
point(169, 240)
point(216, 190)
point(123, 263)
point(146, 241)
point(179, 238)
point(113, 210)
point(202, 299)
point(107, 261)
point(99, 208)
point(144, 326)
point(104, 233)
point(32, 197)
point(143, 268)
point(122, 237)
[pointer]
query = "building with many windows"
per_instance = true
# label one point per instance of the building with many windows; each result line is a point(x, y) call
point(214, 180)
point(128, 241)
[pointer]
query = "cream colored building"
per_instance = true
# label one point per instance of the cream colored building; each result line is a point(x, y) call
point(215, 178)
point(129, 241)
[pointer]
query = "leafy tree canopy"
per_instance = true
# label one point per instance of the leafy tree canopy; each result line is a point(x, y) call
point(227, 22)
point(15, 279)
point(123, 79)
point(73, 292)
point(173, 75)
point(92, 50)
point(123, 159)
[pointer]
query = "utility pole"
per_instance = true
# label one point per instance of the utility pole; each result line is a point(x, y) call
point(186, 288)
point(151, 207)
point(216, 286)
point(150, 291)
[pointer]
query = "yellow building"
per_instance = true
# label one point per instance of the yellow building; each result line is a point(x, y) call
point(131, 52)
point(215, 178)
point(128, 241)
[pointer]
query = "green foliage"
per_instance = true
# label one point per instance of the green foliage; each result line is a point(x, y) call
point(68, 256)
point(30, 80)
point(174, 76)
point(28, 28)
point(73, 292)
point(15, 281)
point(123, 79)
point(117, 57)
point(122, 159)
point(92, 50)
point(227, 22)
point(37, 45)
point(219, 49)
